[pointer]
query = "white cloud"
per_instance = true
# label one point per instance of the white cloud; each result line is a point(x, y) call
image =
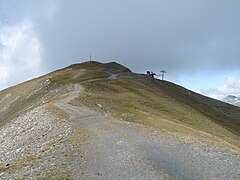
point(20, 53)
point(231, 87)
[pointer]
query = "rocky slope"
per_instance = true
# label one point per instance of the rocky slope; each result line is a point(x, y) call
point(101, 121)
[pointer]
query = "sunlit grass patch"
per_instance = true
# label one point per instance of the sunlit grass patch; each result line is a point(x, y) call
point(137, 102)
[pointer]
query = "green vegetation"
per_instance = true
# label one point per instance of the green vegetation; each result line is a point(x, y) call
point(133, 98)
point(162, 105)
point(95, 70)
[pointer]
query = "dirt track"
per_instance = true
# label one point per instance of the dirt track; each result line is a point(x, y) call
point(119, 150)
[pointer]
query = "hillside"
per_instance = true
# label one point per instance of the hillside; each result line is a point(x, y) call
point(153, 99)
point(95, 120)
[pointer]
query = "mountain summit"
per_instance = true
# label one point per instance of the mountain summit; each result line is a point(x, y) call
point(232, 100)
point(102, 121)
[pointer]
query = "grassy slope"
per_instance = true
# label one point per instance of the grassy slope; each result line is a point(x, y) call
point(20, 98)
point(135, 98)
point(161, 104)
point(13, 100)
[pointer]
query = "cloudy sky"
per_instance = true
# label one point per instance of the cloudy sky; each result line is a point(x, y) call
point(196, 41)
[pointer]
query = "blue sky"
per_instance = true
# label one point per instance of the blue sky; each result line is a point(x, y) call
point(196, 42)
point(212, 83)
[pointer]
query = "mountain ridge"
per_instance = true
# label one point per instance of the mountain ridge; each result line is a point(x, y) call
point(93, 110)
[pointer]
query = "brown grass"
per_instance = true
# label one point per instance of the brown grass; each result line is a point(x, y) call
point(80, 134)
point(134, 101)
point(2, 167)
point(22, 162)
point(154, 103)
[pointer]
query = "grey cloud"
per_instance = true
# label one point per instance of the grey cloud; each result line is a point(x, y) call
point(179, 36)
point(175, 35)
point(1, 46)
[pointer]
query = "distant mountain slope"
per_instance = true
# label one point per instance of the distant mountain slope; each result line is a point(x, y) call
point(68, 123)
point(234, 100)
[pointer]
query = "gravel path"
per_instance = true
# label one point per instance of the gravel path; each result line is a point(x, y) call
point(118, 150)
